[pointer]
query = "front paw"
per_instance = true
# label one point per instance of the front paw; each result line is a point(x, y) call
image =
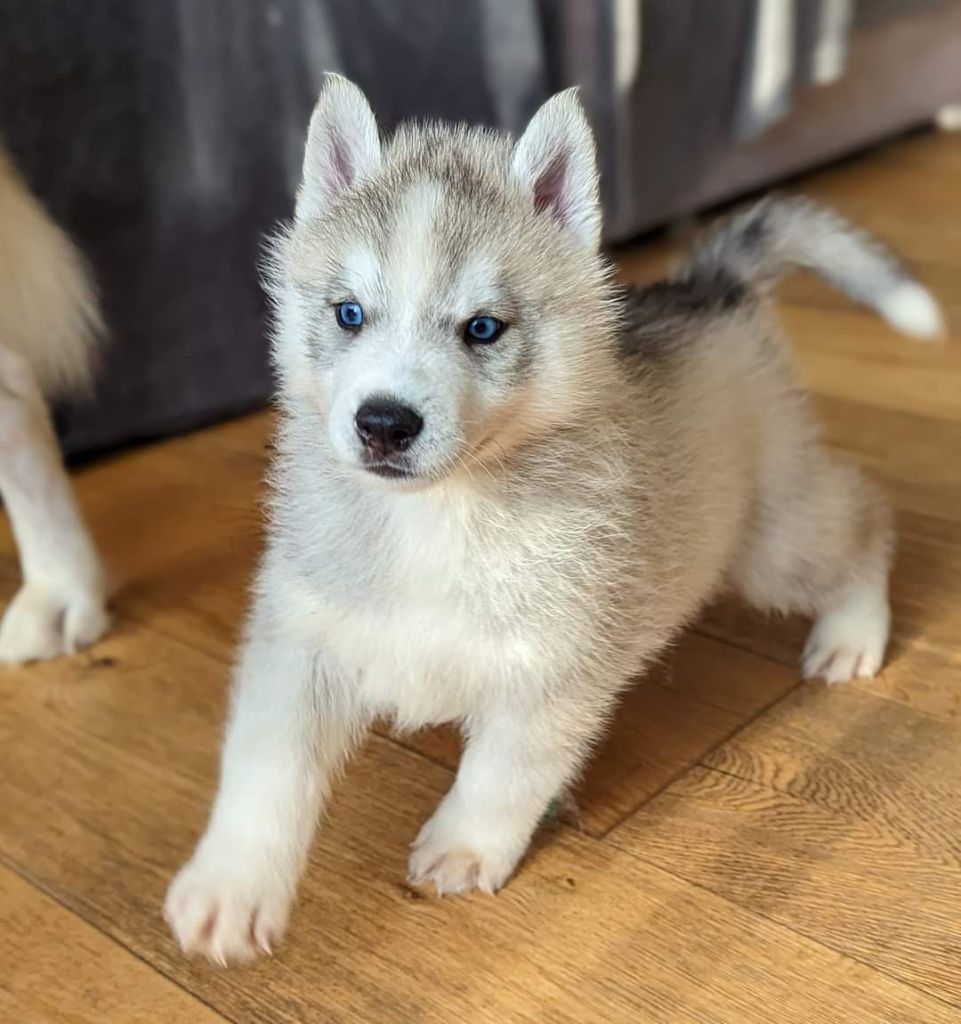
point(227, 910)
point(458, 855)
point(42, 622)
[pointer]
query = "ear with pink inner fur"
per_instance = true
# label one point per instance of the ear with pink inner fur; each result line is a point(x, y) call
point(556, 160)
point(343, 147)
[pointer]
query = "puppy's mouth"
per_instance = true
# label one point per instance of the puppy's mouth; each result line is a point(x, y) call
point(389, 470)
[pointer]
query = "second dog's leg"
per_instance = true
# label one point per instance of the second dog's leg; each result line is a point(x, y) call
point(61, 604)
point(288, 735)
point(515, 763)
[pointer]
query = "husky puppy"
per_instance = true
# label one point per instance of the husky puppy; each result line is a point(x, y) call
point(502, 486)
point(49, 326)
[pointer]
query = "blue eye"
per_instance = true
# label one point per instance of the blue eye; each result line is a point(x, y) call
point(483, 329)
point(350, 315)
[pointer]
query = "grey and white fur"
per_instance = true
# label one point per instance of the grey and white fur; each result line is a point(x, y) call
point(525, 524)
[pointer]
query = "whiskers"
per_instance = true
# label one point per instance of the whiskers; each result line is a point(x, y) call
point(487, 446)
point(476, 462)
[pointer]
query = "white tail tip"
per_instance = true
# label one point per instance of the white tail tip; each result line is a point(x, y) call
point(911, 309)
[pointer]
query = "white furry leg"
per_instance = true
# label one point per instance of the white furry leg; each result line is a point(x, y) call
point(285, 740)
point(513, 766)
point(44, 623)
point(227, 904)
point(458, 851)
point(62, 604)
point(849, 640)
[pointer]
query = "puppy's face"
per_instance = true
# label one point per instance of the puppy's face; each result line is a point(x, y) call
point(442, 295)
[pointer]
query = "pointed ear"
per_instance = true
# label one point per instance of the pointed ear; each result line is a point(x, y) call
point(556, 161)
point(343, 147)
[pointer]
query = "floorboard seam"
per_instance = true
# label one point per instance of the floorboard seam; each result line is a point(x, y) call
point(604, 833)
point(786, 926)
point(74, 911)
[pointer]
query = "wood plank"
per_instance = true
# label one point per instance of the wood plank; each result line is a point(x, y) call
point(836, 814)
point(180, 525)
point(57, 969)
point(847, 354)
point(585, 933)
point(917, 459)
point(924, 677)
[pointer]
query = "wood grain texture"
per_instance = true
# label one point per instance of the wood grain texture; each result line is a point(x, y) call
point(836, 814)
point(586, 932)
point(743, 848)
point(845, 354)
point(56, 969)
point(917, 459)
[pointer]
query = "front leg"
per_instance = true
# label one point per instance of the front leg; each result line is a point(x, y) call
point(514, 764)
point(290, 729)
point(61, 605)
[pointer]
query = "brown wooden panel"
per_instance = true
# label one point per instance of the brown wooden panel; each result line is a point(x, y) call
point(837, 814)
point(851, 355)
point(101, 815)
point(57, 969)
point(917, 459)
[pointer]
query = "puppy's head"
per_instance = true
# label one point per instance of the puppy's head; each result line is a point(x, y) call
point(441, 296)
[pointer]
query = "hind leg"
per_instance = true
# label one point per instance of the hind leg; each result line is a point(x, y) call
point(822, 546)
point(61, 604)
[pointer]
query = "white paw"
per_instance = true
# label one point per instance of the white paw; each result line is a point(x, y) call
point(849, 642)
point(42, 623)
point(458, 856)
point(226, 910)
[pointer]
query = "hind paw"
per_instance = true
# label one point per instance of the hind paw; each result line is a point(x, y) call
point(841, 664)
point(849, 642)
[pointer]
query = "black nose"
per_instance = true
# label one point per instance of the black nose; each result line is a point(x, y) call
point(386, 426)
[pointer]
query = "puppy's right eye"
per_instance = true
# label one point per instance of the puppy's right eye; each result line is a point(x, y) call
point(350, 315)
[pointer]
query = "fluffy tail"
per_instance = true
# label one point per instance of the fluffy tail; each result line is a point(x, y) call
point(48, 307)
point(760, 245)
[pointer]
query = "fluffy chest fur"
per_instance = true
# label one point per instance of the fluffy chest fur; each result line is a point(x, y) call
point(438, 601)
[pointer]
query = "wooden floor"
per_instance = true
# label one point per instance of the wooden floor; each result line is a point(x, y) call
point(745, 848)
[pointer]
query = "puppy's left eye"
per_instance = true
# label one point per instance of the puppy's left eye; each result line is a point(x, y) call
point(483, 330)
point(350, 315)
